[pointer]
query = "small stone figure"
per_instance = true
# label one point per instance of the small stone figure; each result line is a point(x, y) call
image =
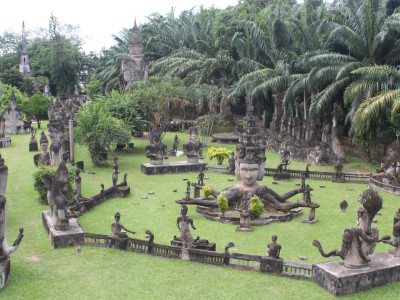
point(125, 176)
point(343, 205)
point(116, 228)
point(184, 229)
point(174, 146)
point(201, 178)
point(188, 191)
point(396, 235)
point(115, 171)
point(42, 158)
point(78, 185)
point(307, 199)
point(231, 160)
point(285, 159)
point(274, 249)
point(193, 149)
point(359, 243)
point(245, 220)
point(156, 150)
point(57, 196)
point(33, 146)
point(338, 167)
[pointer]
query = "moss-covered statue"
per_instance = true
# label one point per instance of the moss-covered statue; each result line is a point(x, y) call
point(249, 169)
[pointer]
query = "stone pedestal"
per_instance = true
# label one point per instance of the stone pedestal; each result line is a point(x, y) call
point(70, 237)
point(5, 142)
point(244, 222)
point(5, 270)
point(117, 243)
point(172, 167)
point(311, 217)
point(185, 254)
point(383, 269)
point(271, 265)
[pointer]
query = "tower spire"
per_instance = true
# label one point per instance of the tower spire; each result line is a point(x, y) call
point(24, 67)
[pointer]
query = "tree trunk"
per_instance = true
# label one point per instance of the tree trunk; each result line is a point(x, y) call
point(38, 123)
point(366, 154)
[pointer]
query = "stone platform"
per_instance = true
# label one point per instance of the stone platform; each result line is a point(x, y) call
point(282, 176)
point(5, 269)
point(173, 167)
point(5, 142)
point(383, 269)
point(233, 217)
point(225, 138)
point(70, 237)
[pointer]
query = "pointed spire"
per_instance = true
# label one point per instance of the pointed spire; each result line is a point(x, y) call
point(135, 25)
point(23, 39)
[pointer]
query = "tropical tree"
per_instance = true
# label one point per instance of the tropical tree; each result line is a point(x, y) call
point(37, 107)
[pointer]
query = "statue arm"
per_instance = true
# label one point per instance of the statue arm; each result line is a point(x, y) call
point(6, 249)
point(178, 220)
point(191, 224)
point(127, 229)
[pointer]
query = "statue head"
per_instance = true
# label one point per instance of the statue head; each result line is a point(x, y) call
point(155, 135)
point(274, 238)
point(184, 210)
point(249, 173)
point(193, 134)
point(117, 217)
point(44, 142)
point(372, 203)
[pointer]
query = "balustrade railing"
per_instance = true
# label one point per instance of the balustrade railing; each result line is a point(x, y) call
point(296, 269)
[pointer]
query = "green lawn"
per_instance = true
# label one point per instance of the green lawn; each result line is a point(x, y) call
point(40, 272)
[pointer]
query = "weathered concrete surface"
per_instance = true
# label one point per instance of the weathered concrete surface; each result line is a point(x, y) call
point(173, 167)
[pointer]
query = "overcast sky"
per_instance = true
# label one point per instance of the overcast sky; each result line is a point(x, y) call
point(98, 20)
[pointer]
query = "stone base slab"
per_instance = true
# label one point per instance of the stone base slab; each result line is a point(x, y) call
point(173, 167)
point(5, 270)
point(383, 269)
point(5, 142)
point(70, 237)
point(282, 176)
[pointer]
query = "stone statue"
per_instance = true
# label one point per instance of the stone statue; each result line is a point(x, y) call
point(274, 249)
point(396, 235)
point(57, 196)
point(188, 188)
point(200, 178)
point(343, 205)
point(57, 149)
point(14, 117)
point(359, 243)
point(231, 160)
point(156, 150)
point(33, 142)
point(42, 158)
point(116, 228)
point(193, 149)
point(115, 171)
point(78, 185)
point(184, 229)
point(285, 159)
point(174, 146)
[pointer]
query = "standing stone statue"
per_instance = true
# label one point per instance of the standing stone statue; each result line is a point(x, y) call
point(359, 243)
point(42, 158)
point(274, 249)
point(156, 150)
point(200, 178)
point(115, 171)
point(285, 159)
point(33, 146)
point(57, 196)
point(231, 160)
point(57, 148)
point(184, 221)
point(78, 185)
point(193, 149)
point(174, 146)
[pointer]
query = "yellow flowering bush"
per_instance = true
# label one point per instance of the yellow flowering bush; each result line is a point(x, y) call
point(206, 191)
point(220, 153)
point(222, 203)
point(256, 207)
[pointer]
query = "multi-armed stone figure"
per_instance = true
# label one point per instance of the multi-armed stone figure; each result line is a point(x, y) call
point(156, 150)
point(5, 249)
point(193, 149)
point(359, 243)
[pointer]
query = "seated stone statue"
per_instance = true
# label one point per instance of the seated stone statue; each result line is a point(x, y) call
point(359, 243)
point(116, 228)
point(42, 158)
point(57, 196)
point(184, 229)
point(274, 249)
point(193, 149)
point(174, 146)
point(156, 150)
point(396, 235)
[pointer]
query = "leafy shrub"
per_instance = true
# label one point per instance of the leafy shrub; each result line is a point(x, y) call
point(222, 203)
point(41, 188)
point(206, 191)
point(220, 153)
point(256, 207)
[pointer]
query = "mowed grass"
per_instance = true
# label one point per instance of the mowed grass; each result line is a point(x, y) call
point(40, 272)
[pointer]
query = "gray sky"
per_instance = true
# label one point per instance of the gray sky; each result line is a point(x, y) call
point(98, 20)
